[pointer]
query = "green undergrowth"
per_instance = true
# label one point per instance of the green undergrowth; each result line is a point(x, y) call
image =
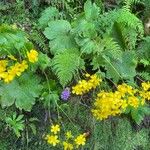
point(112, 134)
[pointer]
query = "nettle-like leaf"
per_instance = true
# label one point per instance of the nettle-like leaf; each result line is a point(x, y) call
point(59, 35)
point(12, 41)
point(43, 61)
point(91, 10)
point(50, 99)
point(139, 113)
point(22, 92)
point(116, 69)
point(47, 15)
point(65, 65)
point(143, 49)
point(123, 68)
point(87, 45)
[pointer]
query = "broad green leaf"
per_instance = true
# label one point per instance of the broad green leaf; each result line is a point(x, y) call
point(60, 37)
point(136, 116)
point(33, 128)
point(43, 61)
point(21, 92)
point(126, 66)
point(91, 10)
point(88, 46)
point(85, 29)
point(47, 15)
point(51, 99)
point(57, 28)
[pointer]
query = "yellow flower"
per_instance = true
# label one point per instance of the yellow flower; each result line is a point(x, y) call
point(32, 56)
point(8, 77)
point(23, 66)
point(80, 140)
point(133, 101)
point(3, 64)
point(55, 128)
point(146, 86)
point(67, 146)
point(69, 135)
point(14, 26)
point(52, 139)
point(87, 75)
point(84, 86)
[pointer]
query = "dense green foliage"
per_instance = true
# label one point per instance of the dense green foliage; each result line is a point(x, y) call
point(70, 38)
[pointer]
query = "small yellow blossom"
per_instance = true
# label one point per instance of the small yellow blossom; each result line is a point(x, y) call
point(67, 146)
point(84, 86)
point(69, 135)
point(3, 64)
point(80, 140)
point(133, 101)
point(9, 74)
point(52, 139)
point(32, 56)
point(87, 75)
point(14, 26)
point(55, 128)
point(146, 86)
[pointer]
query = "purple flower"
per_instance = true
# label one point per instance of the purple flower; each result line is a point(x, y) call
point(65, 94)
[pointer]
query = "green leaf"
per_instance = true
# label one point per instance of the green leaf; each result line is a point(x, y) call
point(47, 15)
point(85, 28)
point(51, 99)
point(88, 46)
point(137, 116)
point(98, 61)
point(60, 37)
point(91, 10)
point(57, 28)
point(21, 92)
point(127, 65)
point(43, 61)
point(65, 65)
point(33, 128)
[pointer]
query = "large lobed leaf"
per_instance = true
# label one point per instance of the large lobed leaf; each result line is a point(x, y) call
point(47, 15)
point(22, 92)
point(58, 32)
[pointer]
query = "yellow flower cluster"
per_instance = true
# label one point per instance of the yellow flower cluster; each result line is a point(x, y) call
point(8, 73)
point(53, 139)
point(145, 90)
point(32, 56)
point(70, 142)
point(114, 103)
point(84, 86)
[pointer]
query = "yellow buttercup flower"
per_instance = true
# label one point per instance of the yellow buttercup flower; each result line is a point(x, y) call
point(133, 101)
point(146, 86)
point(108, 104)
point(80, 140)
point(84, 86)
point(23, 66)
point(55, 128)
point(69, 135)
point(52, 139)
point(32, 56)
point(3, 64)
point(16, 69)
point(8, 77)
point(67, 146)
